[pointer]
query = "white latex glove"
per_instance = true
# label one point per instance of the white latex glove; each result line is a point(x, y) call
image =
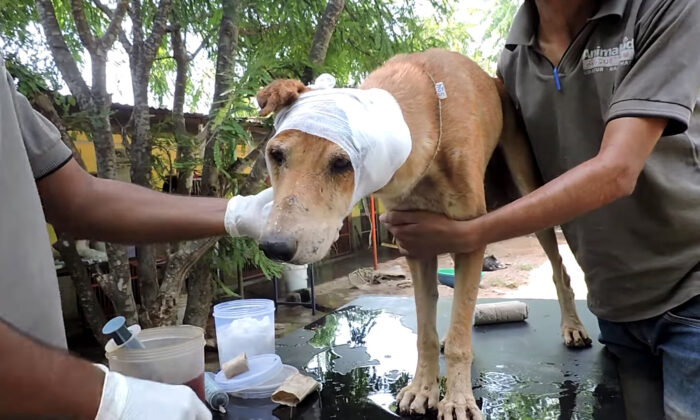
point(125, 398)
point(247, 215)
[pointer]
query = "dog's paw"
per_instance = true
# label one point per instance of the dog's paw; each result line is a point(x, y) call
point(423, 392)
point(459, 406)
point(575, 335)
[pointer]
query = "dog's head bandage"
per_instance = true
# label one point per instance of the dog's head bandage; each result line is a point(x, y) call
point(367, 124)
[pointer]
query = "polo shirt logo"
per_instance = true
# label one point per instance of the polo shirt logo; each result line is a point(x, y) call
point(599, 59)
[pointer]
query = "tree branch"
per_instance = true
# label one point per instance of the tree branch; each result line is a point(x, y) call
point(84, 32)
point(115, 26)
point(248, 160)
point(160, 25)
point(120, 31)
point(322, 37)
point(106, 10)
point(62, 56)
point(136, 23)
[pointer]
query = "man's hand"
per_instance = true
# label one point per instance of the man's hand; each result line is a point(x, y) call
point(125, 398)
point(247, 215)
point(423, 234)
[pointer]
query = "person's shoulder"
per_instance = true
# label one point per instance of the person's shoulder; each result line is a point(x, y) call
point(649, 10)
point(507, 61)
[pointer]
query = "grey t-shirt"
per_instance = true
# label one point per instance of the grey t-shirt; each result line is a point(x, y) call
point(635, 58)
point(30, 148)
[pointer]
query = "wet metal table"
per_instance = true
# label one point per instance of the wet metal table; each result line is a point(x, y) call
point(365, 352)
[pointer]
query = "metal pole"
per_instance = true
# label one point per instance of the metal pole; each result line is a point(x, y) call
point(374, 231)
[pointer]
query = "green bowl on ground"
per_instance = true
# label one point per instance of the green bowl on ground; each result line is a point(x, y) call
point(446, 276)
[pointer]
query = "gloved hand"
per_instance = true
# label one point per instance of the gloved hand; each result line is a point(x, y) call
point(247, 215)
point(125, 398)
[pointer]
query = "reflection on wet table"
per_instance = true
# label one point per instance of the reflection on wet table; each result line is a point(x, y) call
point(365, 352)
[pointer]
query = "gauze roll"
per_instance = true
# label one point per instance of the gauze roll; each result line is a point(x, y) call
point(367, 124)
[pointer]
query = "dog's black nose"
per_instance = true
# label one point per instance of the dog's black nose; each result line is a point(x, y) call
point(279, 247)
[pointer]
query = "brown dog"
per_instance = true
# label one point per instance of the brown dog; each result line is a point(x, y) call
point(313, 184)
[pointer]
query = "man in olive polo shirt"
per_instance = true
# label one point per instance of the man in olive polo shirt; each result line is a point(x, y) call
point(607, 92)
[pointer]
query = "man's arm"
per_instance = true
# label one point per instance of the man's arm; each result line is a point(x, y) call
point(612, 174)
point(40, 381)
point(83, 206)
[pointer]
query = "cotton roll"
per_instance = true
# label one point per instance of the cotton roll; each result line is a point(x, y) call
point(496, 313)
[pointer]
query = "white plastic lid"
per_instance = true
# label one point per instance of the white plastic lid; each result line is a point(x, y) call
point(268, 388)
point(261, 368)
point(244, 308)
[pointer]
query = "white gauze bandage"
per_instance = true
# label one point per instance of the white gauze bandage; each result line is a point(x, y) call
point(367, 124)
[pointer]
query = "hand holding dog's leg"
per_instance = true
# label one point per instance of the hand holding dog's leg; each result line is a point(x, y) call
point(423, 391)
point(459, 400)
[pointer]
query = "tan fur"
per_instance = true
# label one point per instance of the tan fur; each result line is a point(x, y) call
point(311, 204)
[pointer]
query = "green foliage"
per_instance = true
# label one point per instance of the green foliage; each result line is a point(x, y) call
point(499, 17)
point(367, 34)
point(230, 255)
point(22, 46)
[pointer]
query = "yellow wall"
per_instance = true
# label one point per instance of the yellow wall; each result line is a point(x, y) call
point(87, 152)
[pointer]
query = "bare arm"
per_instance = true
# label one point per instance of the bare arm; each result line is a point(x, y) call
point(39, 381)
point(612, 174)
point(92, 208)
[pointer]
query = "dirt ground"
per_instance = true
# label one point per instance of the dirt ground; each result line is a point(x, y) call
point(527, 274)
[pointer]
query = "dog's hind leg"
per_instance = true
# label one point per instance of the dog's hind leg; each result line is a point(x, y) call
point(459, 403)
point(572, 329)
point(518, 157)
point(424, 389)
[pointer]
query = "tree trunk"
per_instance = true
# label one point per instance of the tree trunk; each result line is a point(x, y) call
point(199, 295)
point(322, 37)
point(120, 292)
point(86, 295)
point(199, 289)
point(140, 157)
point(99, 121)
point(255, 180)
point(117, 284)
point(179, 264)
point(142, 52)
point(184, 142)
point(223, 82)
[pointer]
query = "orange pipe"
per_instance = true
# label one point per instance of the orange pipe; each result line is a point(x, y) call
point(374, 231)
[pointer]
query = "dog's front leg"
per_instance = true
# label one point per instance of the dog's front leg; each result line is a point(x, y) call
point(424, 389)
point(459, 400)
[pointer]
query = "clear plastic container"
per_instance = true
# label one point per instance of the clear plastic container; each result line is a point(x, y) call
point(244, 326)
point(261, 369)
point(172, 355)
point(265, 390)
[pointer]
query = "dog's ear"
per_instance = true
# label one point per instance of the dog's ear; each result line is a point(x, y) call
point(279, 94)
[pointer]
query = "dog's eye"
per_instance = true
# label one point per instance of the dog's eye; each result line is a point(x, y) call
point(340, 165)
point(277, 156)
